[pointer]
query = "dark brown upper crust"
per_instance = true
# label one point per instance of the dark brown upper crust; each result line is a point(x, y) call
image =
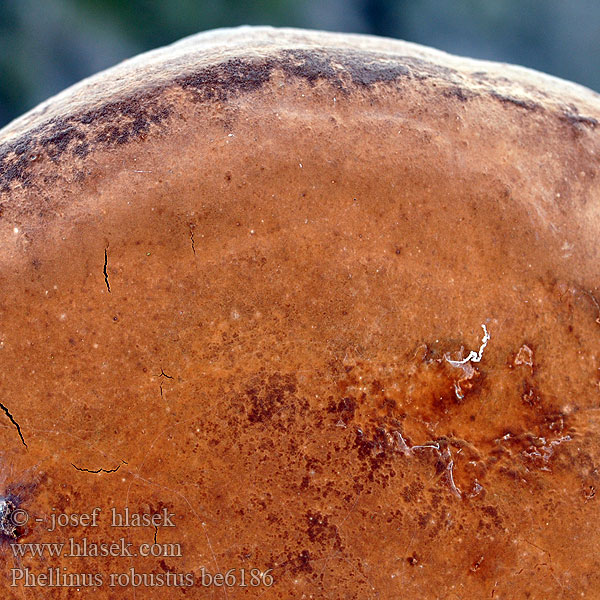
point(121, 105)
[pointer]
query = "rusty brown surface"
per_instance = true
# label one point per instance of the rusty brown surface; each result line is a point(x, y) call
point(337, 311)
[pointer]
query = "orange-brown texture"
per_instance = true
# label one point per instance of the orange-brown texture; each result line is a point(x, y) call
point(250, 279)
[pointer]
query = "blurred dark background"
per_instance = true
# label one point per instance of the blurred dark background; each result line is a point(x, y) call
point(46, 45)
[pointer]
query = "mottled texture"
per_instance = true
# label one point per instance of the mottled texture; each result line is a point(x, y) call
point(331, 300)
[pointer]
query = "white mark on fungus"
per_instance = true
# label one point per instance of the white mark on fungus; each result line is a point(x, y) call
point(524, 356)
point(473, 356)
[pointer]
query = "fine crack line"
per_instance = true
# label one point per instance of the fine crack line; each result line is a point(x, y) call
point(163, 374)
point(95, 471)
point(192, 239)
point(12, 420)
point(105, 272)
point(155, 532)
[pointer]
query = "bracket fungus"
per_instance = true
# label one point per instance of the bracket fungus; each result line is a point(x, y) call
point(299, 231)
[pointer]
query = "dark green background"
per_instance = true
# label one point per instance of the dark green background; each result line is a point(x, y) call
point(46, 45)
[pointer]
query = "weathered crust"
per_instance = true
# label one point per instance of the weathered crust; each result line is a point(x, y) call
point(125, 102)
point(241, 277)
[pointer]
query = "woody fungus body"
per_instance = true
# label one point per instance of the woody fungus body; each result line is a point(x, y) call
point(293, 314)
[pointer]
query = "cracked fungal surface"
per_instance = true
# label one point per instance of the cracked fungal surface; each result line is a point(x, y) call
point(330, 301)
